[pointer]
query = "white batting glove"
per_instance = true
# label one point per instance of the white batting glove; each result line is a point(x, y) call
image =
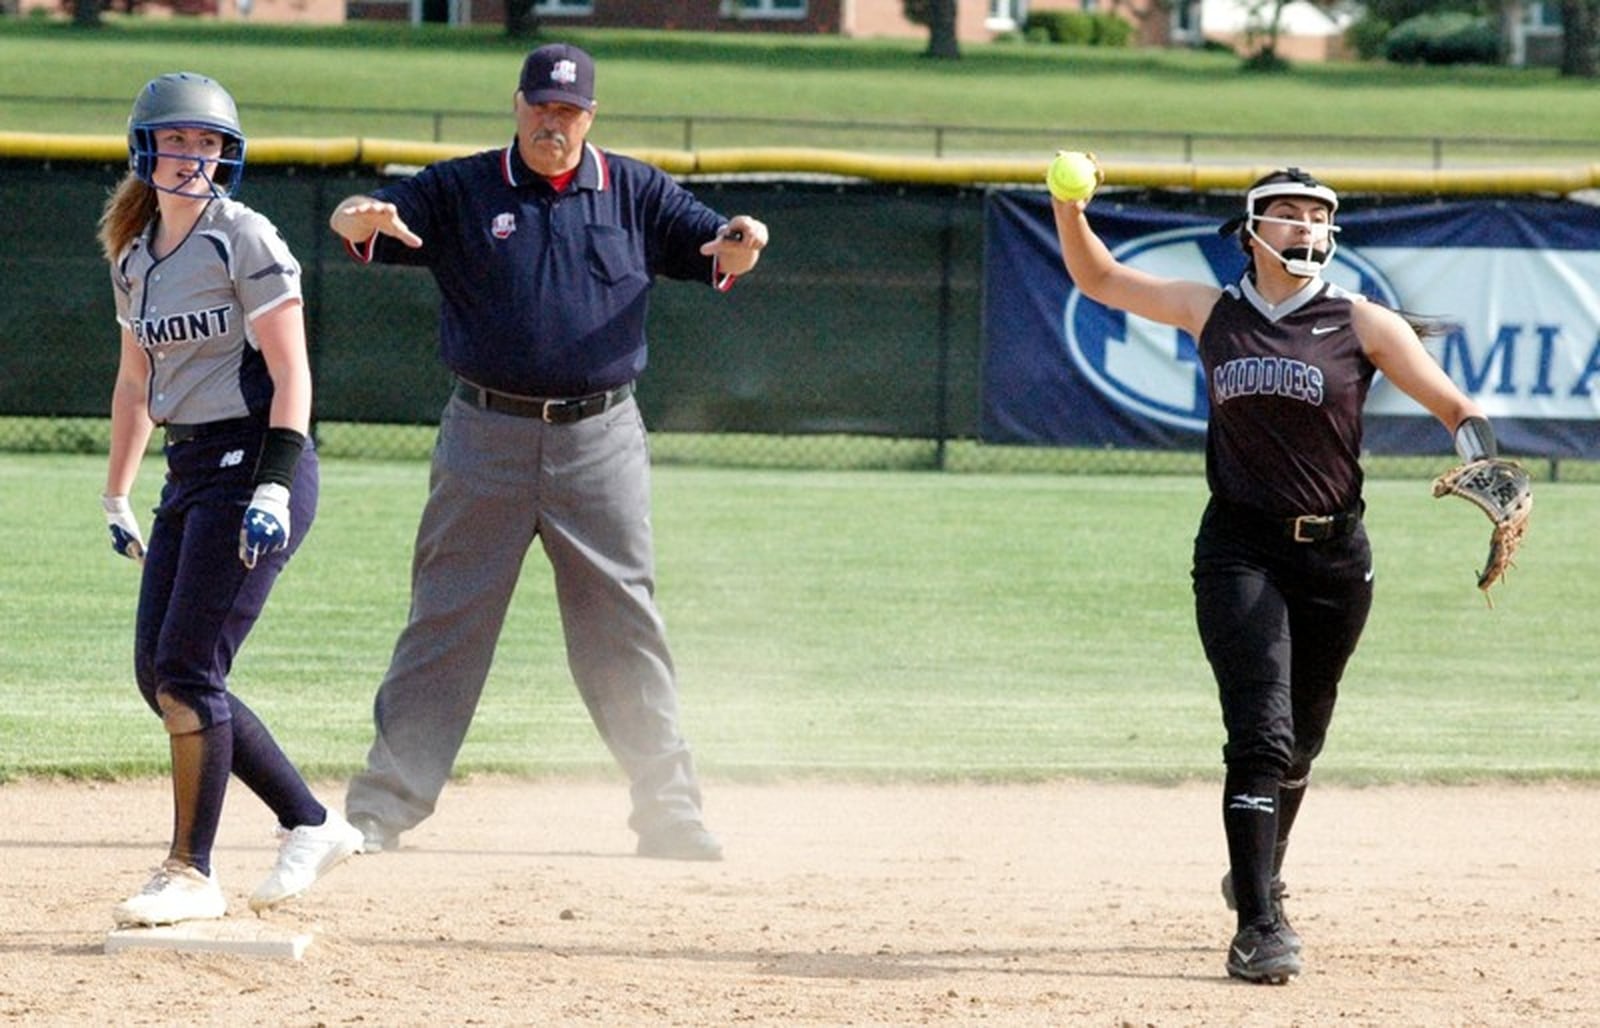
point(266, 523)
point(125, 536)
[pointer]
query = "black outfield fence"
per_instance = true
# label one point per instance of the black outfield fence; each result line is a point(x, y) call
point(857, 343)
point(863, 319)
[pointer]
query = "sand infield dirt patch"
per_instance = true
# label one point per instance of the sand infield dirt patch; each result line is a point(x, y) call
point(1061, 903)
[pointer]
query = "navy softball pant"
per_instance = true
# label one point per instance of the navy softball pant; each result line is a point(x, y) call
point(197, 601)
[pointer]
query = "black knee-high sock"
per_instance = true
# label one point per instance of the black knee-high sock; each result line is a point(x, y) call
point(1249, 818)
point(200, 763)
point(266, 770)
point(1290, 796)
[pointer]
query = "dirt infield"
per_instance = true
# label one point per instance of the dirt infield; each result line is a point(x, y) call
point(1062, 904)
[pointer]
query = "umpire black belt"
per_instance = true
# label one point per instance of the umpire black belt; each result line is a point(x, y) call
point(554, 411)
point(1306, 528)
point(177, 433)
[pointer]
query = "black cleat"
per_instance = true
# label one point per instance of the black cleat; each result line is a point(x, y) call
point(1279, 891)
point(1262, 953)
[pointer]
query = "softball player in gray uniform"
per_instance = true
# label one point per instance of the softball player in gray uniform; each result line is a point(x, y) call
point(1282, 567)
point(213, 354)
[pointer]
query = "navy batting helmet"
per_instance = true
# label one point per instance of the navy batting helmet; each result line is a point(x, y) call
point(186, 100)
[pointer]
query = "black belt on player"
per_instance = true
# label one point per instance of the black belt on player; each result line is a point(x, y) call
point(178, 433)
point(1306, 528)
point(554, 411)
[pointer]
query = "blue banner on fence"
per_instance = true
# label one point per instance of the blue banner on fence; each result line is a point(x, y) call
point(1520, 278)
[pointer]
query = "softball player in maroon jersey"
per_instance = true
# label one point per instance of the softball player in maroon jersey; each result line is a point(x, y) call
point(1282, 567)
point(213, 354)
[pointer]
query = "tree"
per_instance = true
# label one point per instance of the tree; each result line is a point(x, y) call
point(1578, 39)
point(940, 18)
point(1262, 22)
point(521, 22)
point(86, 14)
point(1396, 11)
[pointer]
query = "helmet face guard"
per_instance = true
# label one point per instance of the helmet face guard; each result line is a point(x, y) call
point(186, 100)
point(1300, 261)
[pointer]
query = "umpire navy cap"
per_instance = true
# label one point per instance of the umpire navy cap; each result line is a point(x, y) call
point(558, 74)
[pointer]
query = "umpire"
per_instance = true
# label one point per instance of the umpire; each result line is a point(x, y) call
point(544, 252)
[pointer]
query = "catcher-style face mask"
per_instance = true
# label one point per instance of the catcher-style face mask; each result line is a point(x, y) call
point(1300, 261)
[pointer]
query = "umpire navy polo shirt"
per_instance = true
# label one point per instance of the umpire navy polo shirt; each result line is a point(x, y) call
point(545, 293)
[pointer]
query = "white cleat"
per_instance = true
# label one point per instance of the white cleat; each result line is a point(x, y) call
point(176, 892)
point(306, 854)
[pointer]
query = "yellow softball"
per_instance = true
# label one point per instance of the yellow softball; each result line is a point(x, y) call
point(1072, 175)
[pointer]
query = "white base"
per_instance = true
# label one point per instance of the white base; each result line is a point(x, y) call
point(246, 936)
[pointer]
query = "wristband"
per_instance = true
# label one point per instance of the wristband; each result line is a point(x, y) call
point(280, 452)
point(1475, 440)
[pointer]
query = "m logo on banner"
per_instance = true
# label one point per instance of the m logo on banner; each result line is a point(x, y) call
point(1153, 369)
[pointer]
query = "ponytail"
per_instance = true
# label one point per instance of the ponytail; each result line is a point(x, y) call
point(128, 210)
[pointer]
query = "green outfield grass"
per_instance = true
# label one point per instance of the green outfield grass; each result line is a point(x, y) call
point(865, 623)
point(1083, 95)
point(875, 625)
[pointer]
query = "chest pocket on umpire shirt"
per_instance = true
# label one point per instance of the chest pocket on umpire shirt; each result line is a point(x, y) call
point(611, 255)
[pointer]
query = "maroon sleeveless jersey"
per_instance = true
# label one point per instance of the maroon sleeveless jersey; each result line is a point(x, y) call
point(1287, 385)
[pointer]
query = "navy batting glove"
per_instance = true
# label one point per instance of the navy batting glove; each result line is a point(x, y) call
point(266, 524)
point(125, 537)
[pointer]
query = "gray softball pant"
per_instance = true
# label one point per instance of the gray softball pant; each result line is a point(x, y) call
point(499, 481)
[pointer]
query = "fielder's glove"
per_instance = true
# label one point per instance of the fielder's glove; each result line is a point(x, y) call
point(1502, 490)
point(266, 523)
point(125, 537)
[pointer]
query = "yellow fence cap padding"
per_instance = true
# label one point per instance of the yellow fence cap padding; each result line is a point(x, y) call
point(920, 170)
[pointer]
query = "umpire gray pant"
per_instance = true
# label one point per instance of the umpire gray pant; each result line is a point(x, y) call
point(583, 489)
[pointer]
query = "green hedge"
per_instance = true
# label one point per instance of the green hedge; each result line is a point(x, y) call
point(1368, 36)
point(1078, 28)
point(1452, 37)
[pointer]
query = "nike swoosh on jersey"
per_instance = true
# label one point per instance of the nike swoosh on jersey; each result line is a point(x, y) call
point(1322, 330)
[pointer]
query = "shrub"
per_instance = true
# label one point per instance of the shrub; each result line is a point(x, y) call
point(1266, 62)
point(1367, 37)
point(1058, 26)
point(1110, 30)
point(1078, 28)
point(1453, 37)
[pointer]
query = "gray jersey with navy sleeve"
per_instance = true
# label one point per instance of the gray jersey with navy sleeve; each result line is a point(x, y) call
point(191, 312)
